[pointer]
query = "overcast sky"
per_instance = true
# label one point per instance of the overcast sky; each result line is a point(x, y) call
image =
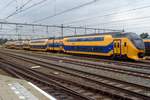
point(131, 15)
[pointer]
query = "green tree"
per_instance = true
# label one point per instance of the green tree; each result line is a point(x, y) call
point(144, 35)
point(2, 41)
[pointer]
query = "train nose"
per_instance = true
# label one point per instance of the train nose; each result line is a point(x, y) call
point(141, 55)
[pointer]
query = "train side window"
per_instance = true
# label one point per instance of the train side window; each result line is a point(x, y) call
point(115, 45)
point(118, 45)
point(125, 44)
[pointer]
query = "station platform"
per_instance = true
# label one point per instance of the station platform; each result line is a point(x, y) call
point(16, 89)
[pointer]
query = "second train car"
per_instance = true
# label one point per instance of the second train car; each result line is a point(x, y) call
point(38, 44)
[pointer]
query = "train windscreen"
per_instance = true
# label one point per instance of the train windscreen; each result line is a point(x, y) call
point(137, 41)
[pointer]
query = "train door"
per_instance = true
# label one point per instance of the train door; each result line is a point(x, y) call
point(61, 45)
point(53, 45)
point(117, 47)
point(124, 47)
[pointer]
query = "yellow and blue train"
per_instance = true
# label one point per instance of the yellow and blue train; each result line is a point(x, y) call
point(112, 44)
point(10, 44)
point(55, 44)
point(26, 45)
point(38, 44)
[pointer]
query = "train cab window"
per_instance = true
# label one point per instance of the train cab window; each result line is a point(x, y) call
point(125, 44)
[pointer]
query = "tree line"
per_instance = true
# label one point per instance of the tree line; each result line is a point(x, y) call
point(144, 35)
point(2, 41)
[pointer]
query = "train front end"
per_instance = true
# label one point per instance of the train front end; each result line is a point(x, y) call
point(136, 45)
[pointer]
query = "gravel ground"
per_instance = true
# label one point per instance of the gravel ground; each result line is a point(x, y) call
point(58, 74)
point(2, 72)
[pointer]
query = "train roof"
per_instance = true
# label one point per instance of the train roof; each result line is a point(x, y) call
point(47, 38)
point(55, 38)
point(107, 33)
point(113, 34)
point(39, 38)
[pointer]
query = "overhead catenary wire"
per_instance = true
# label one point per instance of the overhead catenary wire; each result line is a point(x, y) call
point(127, 24)
point(34, 5)
point(22, 10)
point(7, 5)
point(25, 4)
point(15, 12)
point(134, 27)
point(56, 26)
point(110, 22)
point(82, 18)
point(65, 11)
point(101, 16)
point(137, 18)
point(120, 26)
point(123, 25)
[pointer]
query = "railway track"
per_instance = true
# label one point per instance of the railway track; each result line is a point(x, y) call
point(130, 91)
point(85, 92)
point(102, 66)
point(50, 85)
point(143, 64)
